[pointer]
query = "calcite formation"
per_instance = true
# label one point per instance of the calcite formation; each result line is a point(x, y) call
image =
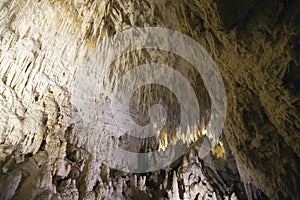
point(43, 150)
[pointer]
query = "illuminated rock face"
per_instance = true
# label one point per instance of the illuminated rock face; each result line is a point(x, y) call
point(255, 45)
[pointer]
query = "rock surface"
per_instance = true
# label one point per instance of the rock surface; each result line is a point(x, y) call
point(255, 45)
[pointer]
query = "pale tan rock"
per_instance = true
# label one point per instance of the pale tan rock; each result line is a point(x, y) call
point(43, 44)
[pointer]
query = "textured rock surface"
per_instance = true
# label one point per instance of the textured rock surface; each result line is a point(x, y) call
point(255, 45)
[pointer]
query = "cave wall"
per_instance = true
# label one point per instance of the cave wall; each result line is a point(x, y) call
point(254, 65)
point(255, 45)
